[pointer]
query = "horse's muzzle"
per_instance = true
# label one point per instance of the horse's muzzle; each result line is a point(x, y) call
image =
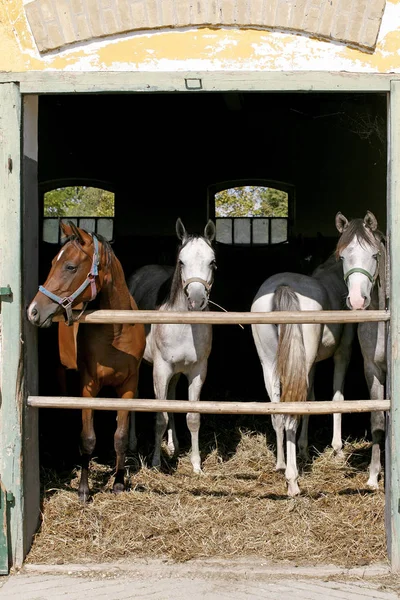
point(196, 294)
point(41, 317)
point(197, 305)
point(361, 303)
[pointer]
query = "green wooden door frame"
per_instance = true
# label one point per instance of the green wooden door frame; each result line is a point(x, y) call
point(11, 240)
point(11, 458)
point(393, 209)
point(18, 423)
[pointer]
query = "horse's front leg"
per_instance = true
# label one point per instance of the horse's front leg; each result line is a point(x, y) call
point(173, 444)
point(196, 379)
point(132, 441)
point(162, 374)
point(120, 445)
point(341, 360)
point(88, 441)
point(376, 378)
point(373, 347)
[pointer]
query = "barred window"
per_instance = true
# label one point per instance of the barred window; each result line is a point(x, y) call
point(252, 214)
point(90, 208)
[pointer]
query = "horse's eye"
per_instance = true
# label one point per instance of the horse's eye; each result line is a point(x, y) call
point(180, 263)
point(213, 264)
point(71, 268)
point(375, 256)
point(341, 257)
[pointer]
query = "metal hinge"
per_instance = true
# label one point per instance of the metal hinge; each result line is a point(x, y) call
point(5, 292)
point(9, 499)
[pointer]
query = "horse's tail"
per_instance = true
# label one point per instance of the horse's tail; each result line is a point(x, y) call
point(291, 356)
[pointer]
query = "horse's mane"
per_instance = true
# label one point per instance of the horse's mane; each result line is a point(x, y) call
point(107, 249)
point(329, 273)
point(170, 289)
point(364, 235)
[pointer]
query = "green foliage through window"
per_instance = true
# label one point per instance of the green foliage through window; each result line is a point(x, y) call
point(251, 201)
point(79, 201)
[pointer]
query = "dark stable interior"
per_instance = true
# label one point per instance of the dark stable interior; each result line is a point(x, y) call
point(160, 153)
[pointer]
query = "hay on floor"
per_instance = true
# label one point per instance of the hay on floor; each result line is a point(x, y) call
point(237, 508)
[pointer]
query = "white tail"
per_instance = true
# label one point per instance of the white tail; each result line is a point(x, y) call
point(291, 356)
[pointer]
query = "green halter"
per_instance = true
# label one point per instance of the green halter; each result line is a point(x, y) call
point(358, 270)
point(372, 278)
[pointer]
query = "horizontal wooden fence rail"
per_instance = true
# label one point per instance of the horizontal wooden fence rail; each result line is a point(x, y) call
point(229, 318)
point(211, 407)
point(217, 407)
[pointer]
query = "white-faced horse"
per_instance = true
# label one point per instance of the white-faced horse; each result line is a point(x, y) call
point(178, 349)
point(289, 353)
point(362, 250)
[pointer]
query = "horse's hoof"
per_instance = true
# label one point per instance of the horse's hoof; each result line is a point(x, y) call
point(293, 490)
point(118, 488)
point(373, 484)
point(84, 496)
point(280, 468)
point(304, 456)
point(339, 454)
point(172, 450)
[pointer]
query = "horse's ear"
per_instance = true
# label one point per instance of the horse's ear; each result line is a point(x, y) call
point(65, 229)
point(180, 229)
point(341, 222)
point(209, 231)
point(69, 229)
point(77, 232)
point(370, 221)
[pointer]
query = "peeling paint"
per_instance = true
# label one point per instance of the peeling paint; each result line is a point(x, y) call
point(198, 49)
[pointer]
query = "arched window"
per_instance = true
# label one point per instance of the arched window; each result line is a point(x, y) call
point(89, 207)
point(250, 213)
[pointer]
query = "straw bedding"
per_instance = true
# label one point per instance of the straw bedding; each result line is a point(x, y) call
point(237, 508)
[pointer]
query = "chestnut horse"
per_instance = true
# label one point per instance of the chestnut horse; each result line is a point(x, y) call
point(107, 354)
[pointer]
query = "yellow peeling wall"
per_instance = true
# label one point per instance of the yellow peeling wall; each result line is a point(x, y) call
point(198, 49)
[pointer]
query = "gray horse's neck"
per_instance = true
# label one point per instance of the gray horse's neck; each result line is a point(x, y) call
point(330, 275)
point(176, 302)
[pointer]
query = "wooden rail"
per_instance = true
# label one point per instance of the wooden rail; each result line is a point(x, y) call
point(211, 407)
point(229, 318)
point(217, 407)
